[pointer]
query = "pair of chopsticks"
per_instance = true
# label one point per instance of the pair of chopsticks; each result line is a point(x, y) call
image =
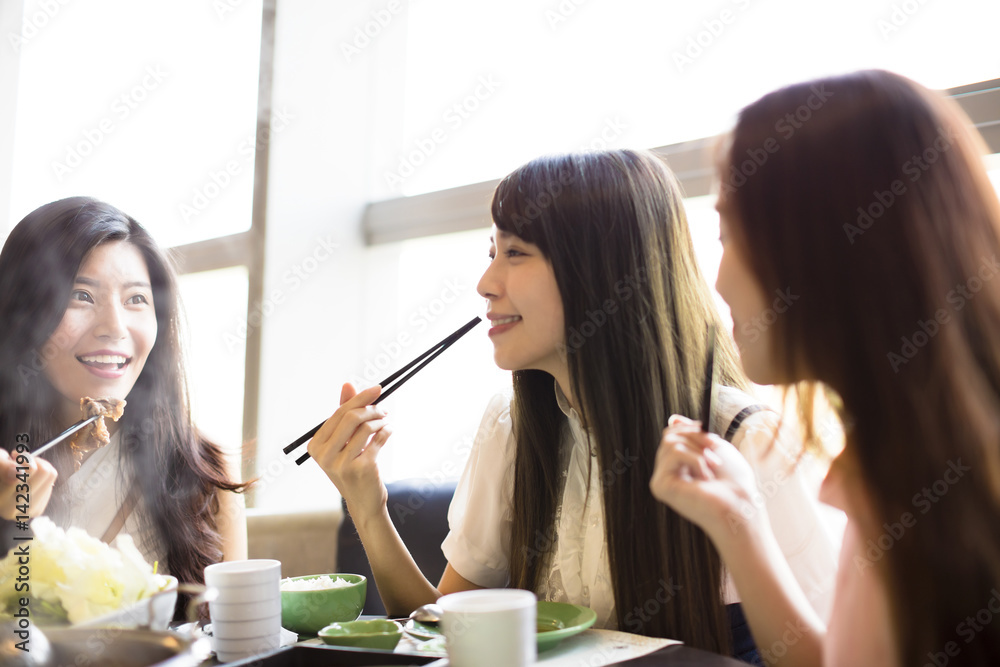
point(83, 423)
point(415, 365)
point(706, 395)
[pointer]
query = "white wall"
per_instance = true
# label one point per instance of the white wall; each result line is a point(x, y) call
point(318, 188)
point(10, 23)
point(365, 311)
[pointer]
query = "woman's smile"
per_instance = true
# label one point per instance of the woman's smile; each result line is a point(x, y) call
point(105, 363)
point(501, 323)
point(102, 343)
point(525, 308)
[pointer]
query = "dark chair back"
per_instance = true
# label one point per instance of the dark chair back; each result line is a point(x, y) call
point(419, 510)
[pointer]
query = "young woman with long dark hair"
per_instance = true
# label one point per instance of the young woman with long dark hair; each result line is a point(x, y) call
point(89, 306)
point(877, 211)
point(598, 307)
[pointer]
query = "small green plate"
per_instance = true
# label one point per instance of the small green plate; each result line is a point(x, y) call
point(556, 621)
point(374, 634)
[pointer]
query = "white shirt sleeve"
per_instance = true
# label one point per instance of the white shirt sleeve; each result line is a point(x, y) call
point(479, 517)
point(806, 531)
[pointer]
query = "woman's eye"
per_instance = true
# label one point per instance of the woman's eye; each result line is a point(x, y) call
point(136, 299)
point(513, 252)
point(81, 295)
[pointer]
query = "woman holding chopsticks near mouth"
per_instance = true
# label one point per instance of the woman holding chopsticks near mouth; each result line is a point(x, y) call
point(598, 307)
point(89, 306)
point(899, 318)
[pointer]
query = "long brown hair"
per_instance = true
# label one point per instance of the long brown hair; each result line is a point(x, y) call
point(636, 312)
point(875, 207)
point(178, 472)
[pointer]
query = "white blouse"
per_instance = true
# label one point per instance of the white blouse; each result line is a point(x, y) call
point(576, 554)
point(97, 490)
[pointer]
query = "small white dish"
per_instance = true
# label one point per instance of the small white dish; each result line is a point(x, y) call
point(253, 611)
point(247, 629)
point(228, 650)
point(254, 593)
point(243, 572)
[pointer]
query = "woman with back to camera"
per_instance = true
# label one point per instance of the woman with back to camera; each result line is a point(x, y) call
point(90, 309)
point(879, 214)
point(598, 307)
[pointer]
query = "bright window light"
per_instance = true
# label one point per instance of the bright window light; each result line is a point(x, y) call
point(149, 106)
point(490, 86)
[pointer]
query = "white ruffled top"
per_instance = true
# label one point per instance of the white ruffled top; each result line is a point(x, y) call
point(576, 554)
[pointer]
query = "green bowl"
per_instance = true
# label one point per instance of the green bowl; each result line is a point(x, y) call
point(377, 633)
point(308, 612)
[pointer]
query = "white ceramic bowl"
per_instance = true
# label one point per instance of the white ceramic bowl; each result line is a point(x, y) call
point(247, 629)
point(249, 594)
point(244, 612)
point(228, 650)
point(243, 572)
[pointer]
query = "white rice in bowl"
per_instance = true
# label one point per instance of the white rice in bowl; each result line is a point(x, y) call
point(314, 584)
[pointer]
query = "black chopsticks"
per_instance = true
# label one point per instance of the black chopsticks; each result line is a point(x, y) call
point(83, 423)
point(706, 395)
point(415, 365)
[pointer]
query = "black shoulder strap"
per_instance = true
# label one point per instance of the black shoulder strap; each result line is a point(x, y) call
point(734, 425)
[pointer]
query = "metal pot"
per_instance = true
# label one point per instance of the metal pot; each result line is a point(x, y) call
point(117, 644)
point(115, 647)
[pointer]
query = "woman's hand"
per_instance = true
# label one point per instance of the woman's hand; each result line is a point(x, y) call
point(346, 447)
point(13, 491)
point(705, 479)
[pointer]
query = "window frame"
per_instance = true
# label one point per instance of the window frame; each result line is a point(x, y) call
point(462, 208)
point(456, 209)
point(246, 249)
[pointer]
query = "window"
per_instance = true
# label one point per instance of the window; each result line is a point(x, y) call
point(526, 78)
point(402, 121)
point(152, 108)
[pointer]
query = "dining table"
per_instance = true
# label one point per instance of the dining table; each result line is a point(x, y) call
point(592, 648)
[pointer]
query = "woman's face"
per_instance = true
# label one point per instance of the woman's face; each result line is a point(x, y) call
point(107, 331)
point(524, 308)
point(752, 324)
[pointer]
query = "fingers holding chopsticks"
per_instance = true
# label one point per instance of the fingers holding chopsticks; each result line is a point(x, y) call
point(348, 429)
point(347, 445)
point(702, 477)
point(15, 493)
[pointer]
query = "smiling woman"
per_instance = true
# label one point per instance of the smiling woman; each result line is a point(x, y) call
point(109, 327)
point(90, 309)
point(598, 308)
point(525, 309)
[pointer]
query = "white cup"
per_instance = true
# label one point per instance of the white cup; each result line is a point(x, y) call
point(490, 628)
point(254, 586)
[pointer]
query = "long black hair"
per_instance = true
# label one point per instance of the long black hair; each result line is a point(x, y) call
point(175, 469)
point(636, 313)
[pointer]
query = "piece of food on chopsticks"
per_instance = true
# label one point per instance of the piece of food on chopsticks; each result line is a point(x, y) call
point(96, 437)
point(74, 577)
